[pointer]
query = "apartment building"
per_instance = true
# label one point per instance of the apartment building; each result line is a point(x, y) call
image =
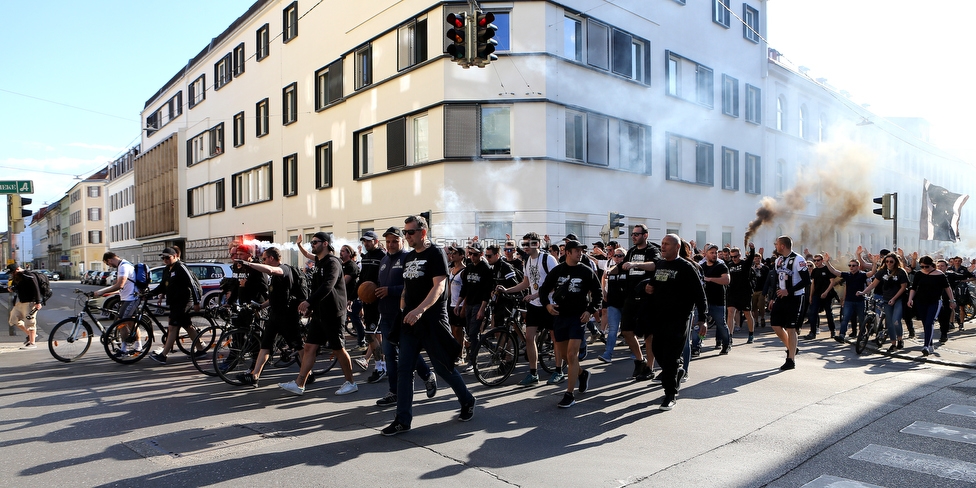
point(120, 204)
point(86, 224)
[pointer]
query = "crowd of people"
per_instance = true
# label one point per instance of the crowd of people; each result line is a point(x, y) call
point(406, 295)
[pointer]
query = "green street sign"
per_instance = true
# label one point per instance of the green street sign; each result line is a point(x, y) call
point(25, 186)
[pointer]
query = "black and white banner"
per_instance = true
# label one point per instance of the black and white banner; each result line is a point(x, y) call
point(940, 213)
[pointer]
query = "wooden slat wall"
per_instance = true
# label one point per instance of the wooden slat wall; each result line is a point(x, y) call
point(157, 190)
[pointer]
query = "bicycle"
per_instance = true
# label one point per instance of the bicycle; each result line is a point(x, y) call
point(200, 353)
point(130, 339)
point(874, 318)
point(236, 351)
point(501, 346)
point(70, 338)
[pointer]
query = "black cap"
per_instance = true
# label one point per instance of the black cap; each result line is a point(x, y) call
point(393, 231)
point(369, 236)
point(169, 251)
point(573, 244)
point(571, 237)
point(324, 237)
point(476, 247)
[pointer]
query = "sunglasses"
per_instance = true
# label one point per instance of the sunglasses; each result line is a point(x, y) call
point(314, 242)
point(621, 256)
point(815, 260)
point(489, 256)
point(635, 234)
point(509, 249)
point(851, 265)
point(735, 255)
point(924, 266)
point(410, 232)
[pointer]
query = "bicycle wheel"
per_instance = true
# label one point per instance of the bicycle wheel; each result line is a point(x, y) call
point(235, 353)
point(127, 341)
point(70, 339)
point(862, 338)
point(285, 356)
point(969, 311)
point(201, 352)
point(547, 351)
point(496, 357)
point(882, 336)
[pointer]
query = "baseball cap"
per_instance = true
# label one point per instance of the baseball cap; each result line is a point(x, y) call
point(169, 251)
point(476, 247)
point(574, 244)
point(393, 231)
point(324, 237)
point(572, 237)
point(369, 236)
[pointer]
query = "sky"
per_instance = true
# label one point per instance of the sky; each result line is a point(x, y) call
point(77, 74)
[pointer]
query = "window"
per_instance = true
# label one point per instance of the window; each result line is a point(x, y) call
point(597, 45)
point(720, 12)
point(94, 214)
point(628, 56)
point(290, 22)
point(75, 218)
point(205, 145)
point(575, 228)
point(222, 72)
point(239, 58)
point(323, 165)
point(780, 114)
point(803, 125)
point(364, 153)
point(198, 90)
point(239, 129)
point(364, 66)
point(573, 38)
point(261, 118)
point(494, 230)
point(689, 80)
point(686, 157)
point(252, 186)
point(780, 177)
point(411, 43)
point(750, 23)
point(496, 130)
point(205, 199)
point(94, 237)
point(418, 140)
point(730, 96)
point(94, 191)
point(575, 140)
point(635, 148)
point(262, 42)
point(701, 236)
point(170, 110)
point(289, 175)
point(821, 129)
point(75, 196)
point(328, 85)
point(289, 104)
point(753, 174)
point(597, 140)
point(753, 104)
point(503, 20)
point(730, 169)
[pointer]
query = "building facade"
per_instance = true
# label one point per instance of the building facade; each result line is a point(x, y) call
point(86, 224)
point(120, 203)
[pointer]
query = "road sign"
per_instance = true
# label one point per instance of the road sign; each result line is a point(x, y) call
point(24, 186)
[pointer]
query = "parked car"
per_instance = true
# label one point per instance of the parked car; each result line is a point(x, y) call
point(51, 275)
point(4, 279)
point(88, 278)
point(209, 274)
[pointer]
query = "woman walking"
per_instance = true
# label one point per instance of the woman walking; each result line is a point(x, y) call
point(925, 297)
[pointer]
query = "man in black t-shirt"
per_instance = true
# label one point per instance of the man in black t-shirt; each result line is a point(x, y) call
point(477, 283)
point(822, 297)
point(284, 311)
point(630, 323)
point(739, 293)
point(369, 270)
point(425, 325)
point(716, 279)
point(252, 286)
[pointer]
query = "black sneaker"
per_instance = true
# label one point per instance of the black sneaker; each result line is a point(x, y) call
point(668, 403)
point(638, 368)
point(789, 364)
point(901, 344)
point(681, 376)
point(378, 374)
point(430, 384)
point(725, 350)
point(582, 350)
point(657, 379)
point(388, 400)
point(467, 411)
point(584, 379)
point(810, 337)
point(695, 352)
point(568, 401)
point(395, 428)
point(645, 375)
point(839, 339)
point(248, 379)
point(159, 358)
point(892, 349)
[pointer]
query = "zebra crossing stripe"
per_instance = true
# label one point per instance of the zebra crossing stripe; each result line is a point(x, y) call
point(918, 462)
point(939, 431)
point(827, 481)
point(964, 410)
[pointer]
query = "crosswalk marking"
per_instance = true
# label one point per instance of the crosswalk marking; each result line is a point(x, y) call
point(827, 481)
point(939, 431)
point(918, 462)
point(964, 410)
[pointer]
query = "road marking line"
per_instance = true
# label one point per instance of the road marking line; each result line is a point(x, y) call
point(918, 462)
point(939, 431)
point(964, 410)
point(827, 481)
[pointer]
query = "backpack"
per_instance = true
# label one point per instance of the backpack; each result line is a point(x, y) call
point(299, 285)
point(195, 286)
point(140, 277)
point(44, 285)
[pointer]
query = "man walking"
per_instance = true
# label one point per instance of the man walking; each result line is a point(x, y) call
point(786, 316)
point(29, 301)
point(180, 289)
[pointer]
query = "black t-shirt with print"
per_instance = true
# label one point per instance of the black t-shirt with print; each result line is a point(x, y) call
point(419, 270)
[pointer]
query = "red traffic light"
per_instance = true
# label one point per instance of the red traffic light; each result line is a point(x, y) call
point(457, 20)
point(485, 19)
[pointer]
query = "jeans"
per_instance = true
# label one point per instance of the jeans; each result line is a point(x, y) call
point(390, 354)
point(816, 305)
point(613, 326)
point(721, 330)
point(473, 327)
point(410, 347)
point(893, 319)
point(357, 322)
point(852, 311)
point(927, 314)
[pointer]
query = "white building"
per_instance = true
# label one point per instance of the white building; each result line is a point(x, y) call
point(120, 205)
point(343, 117)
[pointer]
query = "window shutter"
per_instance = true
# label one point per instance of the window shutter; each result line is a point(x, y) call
point(335, 81)
point(597, 45)
point(420, 38)
point(622, 54)
point(462, 131)
point(396, 144)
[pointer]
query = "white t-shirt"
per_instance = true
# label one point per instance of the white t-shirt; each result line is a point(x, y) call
point(536, 271)
point(128, 291)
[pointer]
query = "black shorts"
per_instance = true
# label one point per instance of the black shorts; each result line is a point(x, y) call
point(740, 301)
point(285, 325)
point(454, 319)
point(569, 327)
point(538, 317)
point(326, 331)
point(630, 318)
point(787, 312)
point(179, 316)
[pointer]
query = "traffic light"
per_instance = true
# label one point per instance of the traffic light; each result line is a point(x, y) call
point(886, 210)
point(458, 34)
point(16, 212)
point(616, 224)
point(485, 40)
point(426, 216)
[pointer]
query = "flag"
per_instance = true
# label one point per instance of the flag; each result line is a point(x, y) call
point(940, 213)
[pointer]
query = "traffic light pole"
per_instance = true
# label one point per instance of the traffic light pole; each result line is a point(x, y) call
point(894, 231)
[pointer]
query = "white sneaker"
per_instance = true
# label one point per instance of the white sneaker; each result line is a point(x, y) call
point(346, 388)
point(292, 387)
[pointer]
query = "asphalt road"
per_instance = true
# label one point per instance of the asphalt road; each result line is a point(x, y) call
point(837, 420)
